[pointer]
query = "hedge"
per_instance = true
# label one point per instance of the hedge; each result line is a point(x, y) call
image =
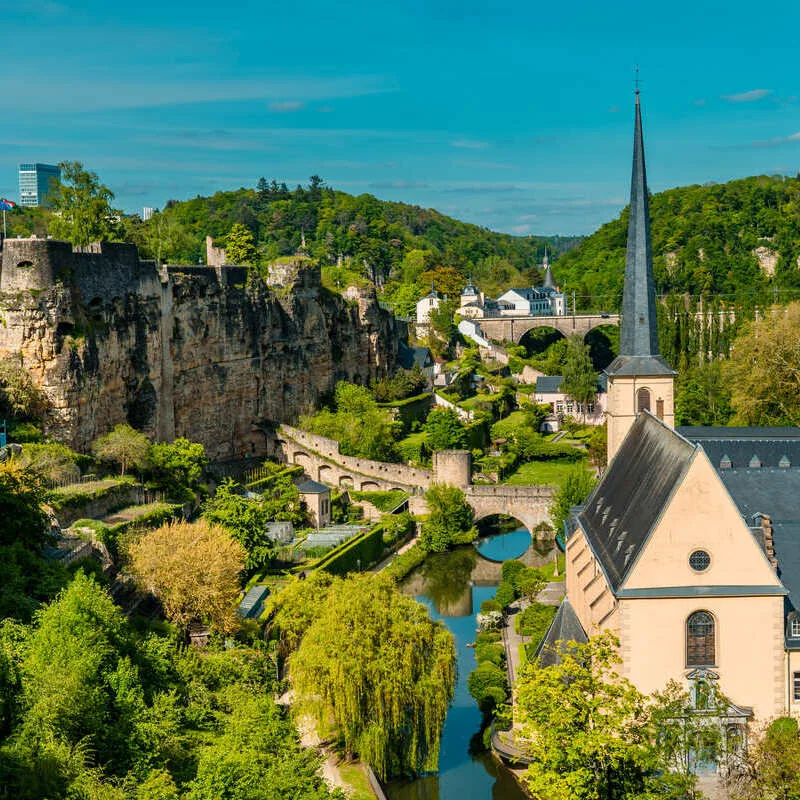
point(406, 562)
point(383, 501)
point(79, 494)
point(534, 622)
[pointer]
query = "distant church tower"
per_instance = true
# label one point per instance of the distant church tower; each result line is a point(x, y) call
point(639, 378)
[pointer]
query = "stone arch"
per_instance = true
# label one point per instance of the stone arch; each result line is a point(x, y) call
point(25, 264)
point(369, 486)
point(346, 482)
point(537, 338)
point(325, 474)
point(302, 459)
point(482, 512)
point(603, 342)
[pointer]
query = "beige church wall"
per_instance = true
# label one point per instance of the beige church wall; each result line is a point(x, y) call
point(749, 645)
point(586, 586)
point(701, 515)
point(621, 404)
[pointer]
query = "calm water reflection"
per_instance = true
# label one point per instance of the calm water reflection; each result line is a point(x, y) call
point(445, 584)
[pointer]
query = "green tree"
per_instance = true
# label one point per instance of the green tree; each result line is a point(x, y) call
point(771, 769)
point(178, 467)
point(575, 489)
point(20, 397)
point(529, 583)
point(445, 430)
point(124, 446)
point(764, 369)
point(82, 207)
point(585, 726)
point(449, 521)
point(240, 248)
point(580, 378)
point(247, 518)
point(375, 663)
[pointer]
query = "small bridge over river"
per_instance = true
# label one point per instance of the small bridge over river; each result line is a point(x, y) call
point(322, 461)
point(512, 329)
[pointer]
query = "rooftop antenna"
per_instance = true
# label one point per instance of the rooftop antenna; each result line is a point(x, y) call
point(636, 80)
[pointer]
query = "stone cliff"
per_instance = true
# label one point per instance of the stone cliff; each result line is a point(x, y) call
point(213, 354)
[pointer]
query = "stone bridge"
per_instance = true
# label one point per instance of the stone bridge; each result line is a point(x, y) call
point(322, 461)
point(512, 329)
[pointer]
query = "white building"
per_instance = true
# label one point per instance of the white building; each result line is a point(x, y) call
point(549, 392)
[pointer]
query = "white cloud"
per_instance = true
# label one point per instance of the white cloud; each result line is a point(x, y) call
point(285, 106)
point(470, 144)
point(747, 97)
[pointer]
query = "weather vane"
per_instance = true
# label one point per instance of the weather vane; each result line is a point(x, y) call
point(636, 78)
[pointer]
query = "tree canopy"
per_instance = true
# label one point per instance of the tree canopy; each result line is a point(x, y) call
point(193, 569)
point(82, 207)
point(449, 521)
point(374, 662)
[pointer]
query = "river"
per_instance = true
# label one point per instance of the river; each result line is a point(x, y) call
point(444, 583)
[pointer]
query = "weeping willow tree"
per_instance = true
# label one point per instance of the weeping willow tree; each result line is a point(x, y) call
point(375, 664)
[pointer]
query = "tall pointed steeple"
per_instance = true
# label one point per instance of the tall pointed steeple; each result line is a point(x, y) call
point(638, 347)
point(638, 379)
point(549, 282)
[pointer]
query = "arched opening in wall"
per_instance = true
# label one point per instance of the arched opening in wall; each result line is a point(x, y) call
point(603, 344)
point(325, 475)
point(94, 310)
point(642, 400)
point(543, 343)
point(303, 460)
point(501, 536)
point(369, 486)
point(346, 482)
point(25, 265)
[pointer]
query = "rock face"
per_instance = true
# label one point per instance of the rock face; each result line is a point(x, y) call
point(212, 354)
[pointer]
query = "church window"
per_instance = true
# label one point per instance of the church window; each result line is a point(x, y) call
point(700, 644)
point(796, 686)
point(795, 628)
point(660, 408)
point(643, 400)
point(699, 560)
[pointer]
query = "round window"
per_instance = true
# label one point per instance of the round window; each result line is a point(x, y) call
point(699, 560)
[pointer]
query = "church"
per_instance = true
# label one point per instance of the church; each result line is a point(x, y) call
point(688, 548)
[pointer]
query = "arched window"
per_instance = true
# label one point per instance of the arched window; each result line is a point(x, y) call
point(643, 400)
point(700, 644)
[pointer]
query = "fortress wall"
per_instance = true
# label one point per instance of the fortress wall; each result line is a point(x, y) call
point(206, 353)
point(300, 441)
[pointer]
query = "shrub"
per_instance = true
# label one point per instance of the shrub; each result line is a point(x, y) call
point(505, 594)
point(534, 622)
point(490, 605)
point(493, 652)
point(488, 636)
point(487, 684)
point(511, 569)
point(406, 562)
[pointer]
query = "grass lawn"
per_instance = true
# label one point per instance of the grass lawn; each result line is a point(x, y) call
point(409, 448)
point(549, 568)
point(543, 473)
point(354, 776)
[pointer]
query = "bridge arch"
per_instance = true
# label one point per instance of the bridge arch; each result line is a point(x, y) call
point(539, 338)
point(603, 341)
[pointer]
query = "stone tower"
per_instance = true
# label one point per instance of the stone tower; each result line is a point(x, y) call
point(638, 379)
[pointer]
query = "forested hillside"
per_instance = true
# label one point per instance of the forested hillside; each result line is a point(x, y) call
point(738, 241)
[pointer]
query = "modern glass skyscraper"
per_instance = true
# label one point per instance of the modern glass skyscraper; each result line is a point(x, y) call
point(34, 183)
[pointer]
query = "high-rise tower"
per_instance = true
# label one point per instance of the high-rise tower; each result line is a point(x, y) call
point(639, 378)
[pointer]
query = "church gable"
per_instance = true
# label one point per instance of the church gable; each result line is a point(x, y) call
point(701, 543)
point(631, 496)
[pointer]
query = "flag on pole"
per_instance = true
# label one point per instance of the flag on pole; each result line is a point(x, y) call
point(6, 205)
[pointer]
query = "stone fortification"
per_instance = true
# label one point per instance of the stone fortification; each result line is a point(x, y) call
point(213, 354)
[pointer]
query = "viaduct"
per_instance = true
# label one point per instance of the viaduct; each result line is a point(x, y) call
point(322, 461)
point(512, 329)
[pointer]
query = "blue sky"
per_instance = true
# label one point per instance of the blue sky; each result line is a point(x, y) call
point(513, 115)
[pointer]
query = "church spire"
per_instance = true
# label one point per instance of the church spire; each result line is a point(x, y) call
point(638, 351)
point(638, 378)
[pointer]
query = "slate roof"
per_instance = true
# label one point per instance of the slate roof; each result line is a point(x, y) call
point(411, 356)
point(774, 491)
point(565, 627)
point(740, 445)
point(312, 487)
point(630, 497)
point(638, 351)
point(551, 384)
